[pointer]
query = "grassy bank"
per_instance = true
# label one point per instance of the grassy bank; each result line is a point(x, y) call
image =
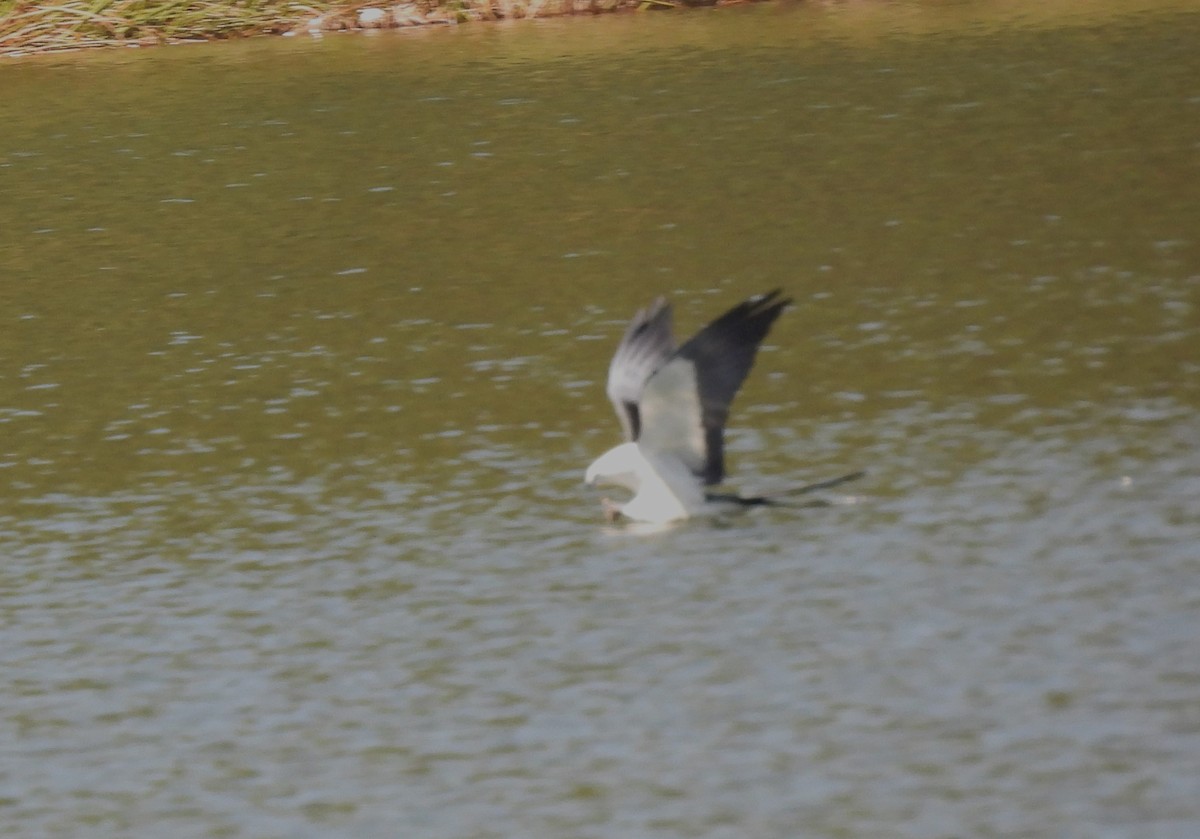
point(32, 27)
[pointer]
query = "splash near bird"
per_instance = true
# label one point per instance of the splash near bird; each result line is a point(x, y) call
point(673, 404)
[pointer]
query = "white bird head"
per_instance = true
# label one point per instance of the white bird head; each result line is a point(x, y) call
point(622, 466)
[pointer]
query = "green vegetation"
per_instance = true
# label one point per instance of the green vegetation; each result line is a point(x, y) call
point(28, 27)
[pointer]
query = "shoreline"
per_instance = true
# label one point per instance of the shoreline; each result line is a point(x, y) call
point(29, 28)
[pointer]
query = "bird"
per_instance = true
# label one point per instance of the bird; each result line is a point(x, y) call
point(673, 403)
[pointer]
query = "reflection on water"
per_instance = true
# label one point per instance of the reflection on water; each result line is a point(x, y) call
point(303, 356)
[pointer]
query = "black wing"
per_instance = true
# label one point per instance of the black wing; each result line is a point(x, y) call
point(685, 403)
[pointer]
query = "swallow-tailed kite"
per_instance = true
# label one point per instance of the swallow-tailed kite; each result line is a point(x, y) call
point(673, 404)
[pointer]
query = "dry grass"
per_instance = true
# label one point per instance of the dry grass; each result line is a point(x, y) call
point(29, 27)
point(72, 24)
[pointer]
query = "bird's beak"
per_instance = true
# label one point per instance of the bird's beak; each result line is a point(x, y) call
point(612, 511)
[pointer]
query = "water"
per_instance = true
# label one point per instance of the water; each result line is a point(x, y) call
point(303, 347)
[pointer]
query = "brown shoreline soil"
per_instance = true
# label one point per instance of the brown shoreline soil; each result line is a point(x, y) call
point(29, 28)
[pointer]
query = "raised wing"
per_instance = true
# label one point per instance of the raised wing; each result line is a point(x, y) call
point(685, 403)
point(645, 347)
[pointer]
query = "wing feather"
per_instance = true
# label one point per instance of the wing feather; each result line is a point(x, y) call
point(685, 402)
point(645, 347)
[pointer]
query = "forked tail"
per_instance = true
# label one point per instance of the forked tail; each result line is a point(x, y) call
point(782, 497)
